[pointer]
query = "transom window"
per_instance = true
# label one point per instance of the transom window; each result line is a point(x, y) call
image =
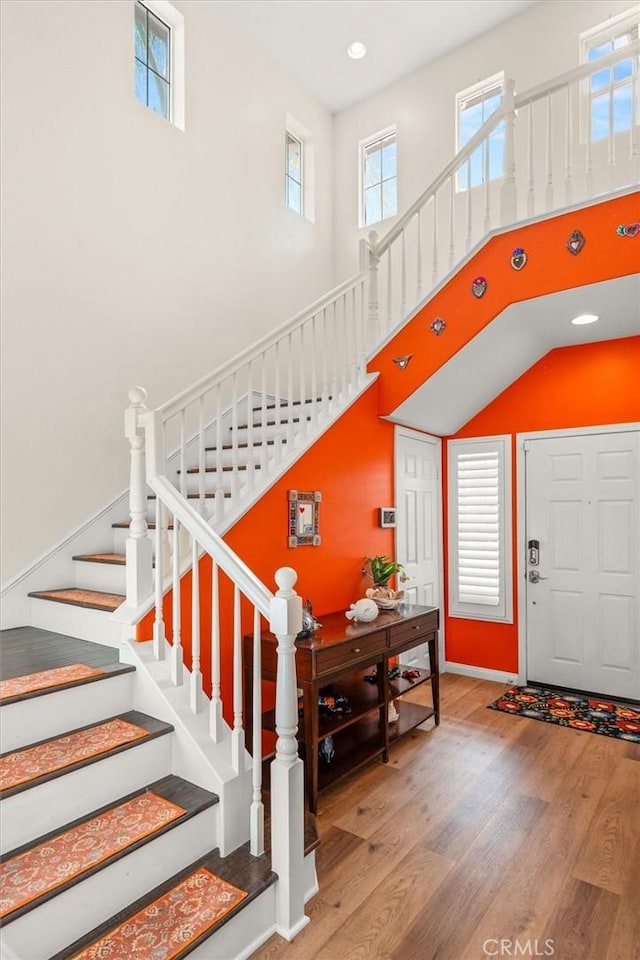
point(610, 89)
point(379, 175)
point(474, 106)
point(293, 190)
point(152, 61)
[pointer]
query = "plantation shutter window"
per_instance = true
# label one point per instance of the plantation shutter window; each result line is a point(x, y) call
point(480, 529)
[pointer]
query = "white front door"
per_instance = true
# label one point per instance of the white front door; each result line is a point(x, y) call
point(582, 593)
point(417, 523)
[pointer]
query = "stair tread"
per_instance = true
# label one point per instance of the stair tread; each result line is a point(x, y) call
point(243, 446)
point(31, 649)
point(194, 496)
point(91, 599)
point(273, 423)
point(125, 524)
point(290, 403)
point(56, 756)
point(250, 875)
point(115, 558)
point(240, 466)
point(53, 679)
point(32, 874)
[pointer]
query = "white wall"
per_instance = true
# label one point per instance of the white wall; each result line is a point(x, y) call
point(133, 253)
point(535, 46)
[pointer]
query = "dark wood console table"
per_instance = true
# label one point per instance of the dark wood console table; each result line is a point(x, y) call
point(339, 657)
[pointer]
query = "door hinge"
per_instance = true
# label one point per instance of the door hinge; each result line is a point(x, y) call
point(526, 445)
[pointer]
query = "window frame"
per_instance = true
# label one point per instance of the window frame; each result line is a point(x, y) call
point(287, 176)
point(171, 18)
point(502, 612)
point(479, 91)
point(363, 145)
point(605, 32)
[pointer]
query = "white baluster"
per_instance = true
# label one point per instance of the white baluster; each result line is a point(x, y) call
point(251, 457)
point(183, 540)
point(287, 787)
point(234, 438)
point(403, 276)
point(530, 174)
point(196, 691)
point(434, 268)
point(419, 259)
point(314, 368)
point(201, 459)
point(508, 195)
point(452, 237)
point(217, 725)
point(305, 361)
point(277, 416)
point(568, 151)
point(159, 636)
point(176, 657)
point(237, 737)
point(390, 287)
point(363, 330)
point(487, 191)
point(324, 344)
point(467, 241)
point(139, 559)
point(335, 354)
point(549, 191)
point(290, 408)
point(375, 320)
point(263, 414)
point(257, 807)
point(355, 342)
point(219, 455)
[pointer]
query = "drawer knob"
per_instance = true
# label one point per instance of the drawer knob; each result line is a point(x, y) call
point(416, 626)
point(355, 650)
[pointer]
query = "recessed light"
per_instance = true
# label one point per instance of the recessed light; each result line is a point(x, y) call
point(356, 50)
point(585, 318)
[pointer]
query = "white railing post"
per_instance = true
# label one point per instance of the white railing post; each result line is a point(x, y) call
point(374, 302)
point(508, 197)
point(287, 783)
point(139, 553)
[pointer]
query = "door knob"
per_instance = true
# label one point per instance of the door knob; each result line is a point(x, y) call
point(534, 576)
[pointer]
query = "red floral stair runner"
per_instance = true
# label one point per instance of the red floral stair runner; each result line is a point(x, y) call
point(17, 686)
point(166, 927)
point(50, 864)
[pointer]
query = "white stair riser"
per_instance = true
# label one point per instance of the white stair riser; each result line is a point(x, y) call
point(38, 810)
point(50, 714)
point(69, 915)
point(106, 577)
point(242, 934)
point(94, 625)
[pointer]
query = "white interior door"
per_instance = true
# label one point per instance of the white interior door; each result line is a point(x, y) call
point(417, 480)
point(582, 594)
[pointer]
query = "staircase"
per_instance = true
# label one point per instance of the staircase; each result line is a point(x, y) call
point(97, 829)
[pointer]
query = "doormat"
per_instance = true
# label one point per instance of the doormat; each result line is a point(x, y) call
point(30, 763)
point(18, 686)
point(62, 858)
point(591, 714)
point(164, 928)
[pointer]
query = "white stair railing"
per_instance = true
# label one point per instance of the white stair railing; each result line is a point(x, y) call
point(549, 162)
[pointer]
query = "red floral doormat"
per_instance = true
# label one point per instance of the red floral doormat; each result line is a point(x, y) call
point(164, 928)
point(17, 686)
point(33, 762)
point(571, 710)
point(56, 861)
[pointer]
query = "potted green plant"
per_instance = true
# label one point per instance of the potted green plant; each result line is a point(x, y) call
point(380, 569)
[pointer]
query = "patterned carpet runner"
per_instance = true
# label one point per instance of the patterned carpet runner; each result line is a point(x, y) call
point(50, 864)
point(33, 762)
point(164, 928)
point(591, 714)
point(46, 678)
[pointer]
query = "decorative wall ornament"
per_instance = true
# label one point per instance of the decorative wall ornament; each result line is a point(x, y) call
point(438, 326)
point(479, 287)
point(628, 230)
point(402, 362)
point(518, 258)
point(304, 520)
point(576, 242)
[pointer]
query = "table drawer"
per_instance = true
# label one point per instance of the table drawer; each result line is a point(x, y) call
point(418, 627)
point(352, 650)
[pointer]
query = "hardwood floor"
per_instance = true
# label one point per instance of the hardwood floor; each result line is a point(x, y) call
point(491, 828)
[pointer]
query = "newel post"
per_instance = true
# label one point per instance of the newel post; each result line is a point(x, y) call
point(287, 780)
point(139, 557)
point(374, 301)
point(508, 196)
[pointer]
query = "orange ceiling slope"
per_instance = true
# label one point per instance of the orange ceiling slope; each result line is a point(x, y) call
point(550, 268)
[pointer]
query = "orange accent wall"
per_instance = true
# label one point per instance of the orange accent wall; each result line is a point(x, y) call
point(352, 466)
point(589, 385)
point(550, 268)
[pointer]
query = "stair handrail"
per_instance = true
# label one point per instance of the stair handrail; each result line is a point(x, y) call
point(548, 87)
point(173, 406)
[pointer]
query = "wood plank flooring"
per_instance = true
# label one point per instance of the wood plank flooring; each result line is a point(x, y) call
point(491, 828)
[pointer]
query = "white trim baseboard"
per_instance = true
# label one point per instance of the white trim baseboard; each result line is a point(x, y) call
point(480, 673)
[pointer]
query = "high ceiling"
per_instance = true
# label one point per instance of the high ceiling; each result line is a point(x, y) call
point(309, 38)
